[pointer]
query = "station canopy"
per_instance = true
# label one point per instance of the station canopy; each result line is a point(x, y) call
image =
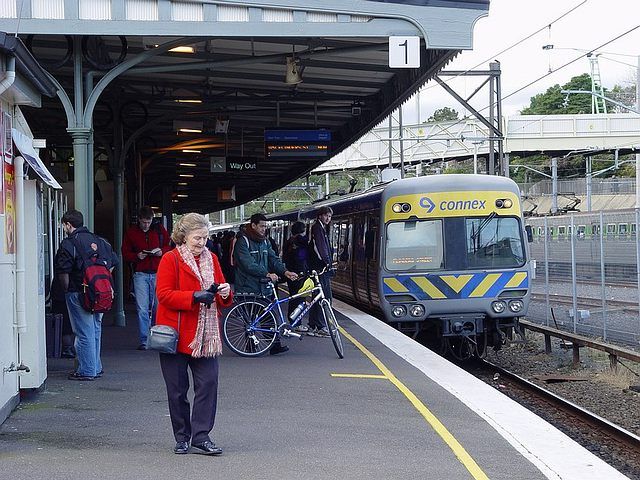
point(253, 97)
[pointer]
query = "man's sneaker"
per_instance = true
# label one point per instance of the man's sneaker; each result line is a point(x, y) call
point(301, 329)
point(320, 332)
point(82, 378)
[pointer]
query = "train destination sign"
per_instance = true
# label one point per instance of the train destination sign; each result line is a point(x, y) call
point(297, 143)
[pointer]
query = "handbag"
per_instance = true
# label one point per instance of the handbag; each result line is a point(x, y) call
point(164, 338)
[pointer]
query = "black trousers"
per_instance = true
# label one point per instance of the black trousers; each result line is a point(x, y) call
point(191, 424)
point(316, 319)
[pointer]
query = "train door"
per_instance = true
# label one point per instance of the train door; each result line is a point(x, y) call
point(359, 268)
point(372, 246)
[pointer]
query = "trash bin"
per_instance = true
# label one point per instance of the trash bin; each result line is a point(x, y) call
point(53, 328)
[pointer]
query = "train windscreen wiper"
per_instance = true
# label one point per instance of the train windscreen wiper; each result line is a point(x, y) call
point(476, 235)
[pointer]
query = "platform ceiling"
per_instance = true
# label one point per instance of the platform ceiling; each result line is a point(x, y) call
point(240, 79)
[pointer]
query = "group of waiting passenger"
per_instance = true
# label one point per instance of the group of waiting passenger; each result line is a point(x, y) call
point(185, 288)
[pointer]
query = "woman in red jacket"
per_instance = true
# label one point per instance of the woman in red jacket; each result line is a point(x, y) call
point(186, 302)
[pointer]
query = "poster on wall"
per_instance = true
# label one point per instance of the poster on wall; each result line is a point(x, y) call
point(8, 186)
point(2, 163)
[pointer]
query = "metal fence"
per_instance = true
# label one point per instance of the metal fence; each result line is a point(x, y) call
point(586, 278)
point(599, 186)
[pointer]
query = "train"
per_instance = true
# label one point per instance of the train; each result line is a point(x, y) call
point(443, 258)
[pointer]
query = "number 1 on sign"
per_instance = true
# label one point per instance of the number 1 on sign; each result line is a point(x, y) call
point(404, 52)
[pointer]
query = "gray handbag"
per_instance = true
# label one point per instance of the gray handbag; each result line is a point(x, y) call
point(164, 338)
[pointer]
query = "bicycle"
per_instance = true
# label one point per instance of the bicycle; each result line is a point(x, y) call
point(252, 326)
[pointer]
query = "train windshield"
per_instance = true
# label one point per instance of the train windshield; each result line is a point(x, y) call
point(494, 242)
point(414, 245)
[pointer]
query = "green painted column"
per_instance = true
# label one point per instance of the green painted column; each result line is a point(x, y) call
point(81, 181)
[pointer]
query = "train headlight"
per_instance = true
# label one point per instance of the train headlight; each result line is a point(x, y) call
point(516, 306)
point(504, 203)
point(499, 306)
point(401, 207)
point(416, 310)
point(398, 311)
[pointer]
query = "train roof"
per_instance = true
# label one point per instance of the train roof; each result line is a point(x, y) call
point(451, 183)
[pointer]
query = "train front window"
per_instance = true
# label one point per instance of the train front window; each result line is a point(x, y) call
point(494, 242)
point(414, 245)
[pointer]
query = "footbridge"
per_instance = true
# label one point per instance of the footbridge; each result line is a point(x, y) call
point(555, 135)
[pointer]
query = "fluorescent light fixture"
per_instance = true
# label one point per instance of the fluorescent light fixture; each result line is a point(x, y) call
point(175, 200)
point(186, 175)
point(187, 126)
point(188, 150)
point(183, 184)
point(184, 49)
point(182, 195)
point(188, 100)
point(188, 164)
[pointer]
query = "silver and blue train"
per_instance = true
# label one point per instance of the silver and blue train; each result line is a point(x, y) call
point(444, 258)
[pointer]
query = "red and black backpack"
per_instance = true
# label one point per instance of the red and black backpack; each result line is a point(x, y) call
point(97, 282)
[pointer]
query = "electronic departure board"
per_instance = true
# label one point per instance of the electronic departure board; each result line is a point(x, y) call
point(297, 143)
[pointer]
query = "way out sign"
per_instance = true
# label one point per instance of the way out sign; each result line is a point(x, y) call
point(404, 52)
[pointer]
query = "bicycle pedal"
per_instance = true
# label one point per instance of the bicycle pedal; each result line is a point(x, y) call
point(288, 333)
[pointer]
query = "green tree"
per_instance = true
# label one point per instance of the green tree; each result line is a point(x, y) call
point(443, 114)
point(554, 102)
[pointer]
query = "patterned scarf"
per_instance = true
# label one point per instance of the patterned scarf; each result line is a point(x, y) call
point(206, 342)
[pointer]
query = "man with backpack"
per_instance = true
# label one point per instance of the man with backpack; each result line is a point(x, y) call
point(83, 264)
point(143, 246)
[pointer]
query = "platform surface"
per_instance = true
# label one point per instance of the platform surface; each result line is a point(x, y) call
point(389, 409)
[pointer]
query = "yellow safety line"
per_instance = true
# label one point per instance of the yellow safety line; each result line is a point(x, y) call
point(356, 375)
point(459, 451)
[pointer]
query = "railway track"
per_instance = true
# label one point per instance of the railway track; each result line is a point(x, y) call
point(587, 301)
point(612, 443)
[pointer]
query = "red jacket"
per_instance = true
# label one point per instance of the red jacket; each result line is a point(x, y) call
point(135, 240)
point(173, 301)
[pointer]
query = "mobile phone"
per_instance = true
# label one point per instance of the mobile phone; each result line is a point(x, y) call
point(213, 288)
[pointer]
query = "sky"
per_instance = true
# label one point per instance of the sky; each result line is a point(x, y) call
point(590, 25)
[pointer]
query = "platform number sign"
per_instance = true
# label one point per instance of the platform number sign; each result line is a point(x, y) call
point(404, 52)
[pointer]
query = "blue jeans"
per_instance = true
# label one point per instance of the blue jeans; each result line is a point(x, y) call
point(144, 285)
point(87, 327)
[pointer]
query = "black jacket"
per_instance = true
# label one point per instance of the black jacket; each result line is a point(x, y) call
point(68, 259)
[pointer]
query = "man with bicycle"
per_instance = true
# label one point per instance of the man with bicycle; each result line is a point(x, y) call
point(321, 258)
point(255, 260)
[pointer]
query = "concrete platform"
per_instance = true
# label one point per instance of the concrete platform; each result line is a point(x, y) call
point(389, 409)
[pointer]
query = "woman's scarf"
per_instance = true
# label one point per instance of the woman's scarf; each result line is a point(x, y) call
point(206, 342)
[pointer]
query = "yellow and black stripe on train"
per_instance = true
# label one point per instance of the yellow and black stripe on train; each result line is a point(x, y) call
point(443, 253)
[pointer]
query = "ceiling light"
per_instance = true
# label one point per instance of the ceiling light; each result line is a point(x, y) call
point(182, 195)
point(188, 150)
point(184, 49)
point(183, 184)
point(188, 164)
point(187, 126)
point(188, 100)
point(175, 200)
point(186, 175)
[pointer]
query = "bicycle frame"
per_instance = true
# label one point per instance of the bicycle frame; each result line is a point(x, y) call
point(277, 303)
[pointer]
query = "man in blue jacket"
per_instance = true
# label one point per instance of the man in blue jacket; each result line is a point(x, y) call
point(254, 259)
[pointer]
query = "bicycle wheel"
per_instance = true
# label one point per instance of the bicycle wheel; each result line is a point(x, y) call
point(333, 327)
point(243, 334)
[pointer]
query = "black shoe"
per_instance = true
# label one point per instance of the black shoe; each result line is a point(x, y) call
point(67, 352)
point(77, 376)
point(181, 448)
point(276, 349)
point(207, 448)
point(100, 373)
point(142, 346)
